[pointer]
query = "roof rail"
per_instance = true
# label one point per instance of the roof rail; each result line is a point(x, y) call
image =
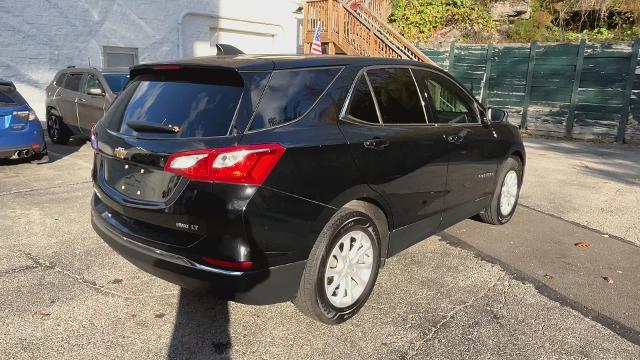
point(71, 67)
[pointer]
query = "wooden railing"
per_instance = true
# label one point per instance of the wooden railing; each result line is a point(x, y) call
point(382, 8)
point(355, 32)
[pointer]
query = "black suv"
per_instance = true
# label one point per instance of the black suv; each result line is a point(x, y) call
point(273, 178)
point(78, 97)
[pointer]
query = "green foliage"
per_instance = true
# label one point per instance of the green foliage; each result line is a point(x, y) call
point(550, 21)
point(417, 20)
point(537, 28)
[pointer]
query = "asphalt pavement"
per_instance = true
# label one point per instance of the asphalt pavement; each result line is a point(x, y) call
point(520, 291)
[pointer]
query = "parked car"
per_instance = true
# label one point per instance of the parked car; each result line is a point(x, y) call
point(273, 178)
point(78, 97)
point(21, 134)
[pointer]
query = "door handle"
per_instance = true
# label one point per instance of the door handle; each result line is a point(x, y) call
point(376, 143)
point(455, 139)
point(80, 100)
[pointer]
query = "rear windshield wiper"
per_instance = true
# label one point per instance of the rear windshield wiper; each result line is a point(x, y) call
point(146, 126)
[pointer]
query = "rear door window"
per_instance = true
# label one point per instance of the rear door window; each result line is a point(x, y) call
point(290, 94)
point(193, 104)
point(72, 82)
point(397, 96)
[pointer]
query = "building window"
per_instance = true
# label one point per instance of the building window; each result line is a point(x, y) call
point(116, 56)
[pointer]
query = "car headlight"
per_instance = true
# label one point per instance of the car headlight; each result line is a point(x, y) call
point(26, 115)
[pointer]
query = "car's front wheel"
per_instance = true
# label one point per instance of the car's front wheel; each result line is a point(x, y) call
point(505, 197)
point(342, 268)
point(57, 130)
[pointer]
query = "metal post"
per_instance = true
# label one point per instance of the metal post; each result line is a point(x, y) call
point(527, 90)
point(576, 87)
point(452, 51)
point(487, 75)
point(622, 126)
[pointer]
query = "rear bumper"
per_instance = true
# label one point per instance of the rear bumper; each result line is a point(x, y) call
point(266, 286)
point(12, 142)
point(7, 153)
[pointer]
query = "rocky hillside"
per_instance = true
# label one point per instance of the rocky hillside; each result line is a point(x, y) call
point(441, 21)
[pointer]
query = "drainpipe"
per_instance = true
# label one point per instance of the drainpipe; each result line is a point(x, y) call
point(212, 16)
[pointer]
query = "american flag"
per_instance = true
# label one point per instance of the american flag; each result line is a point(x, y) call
point(316, 46)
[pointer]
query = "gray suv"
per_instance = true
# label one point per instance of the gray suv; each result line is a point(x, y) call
point(78, 97)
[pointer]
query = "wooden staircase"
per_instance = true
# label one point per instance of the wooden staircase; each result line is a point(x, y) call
point(356, 28)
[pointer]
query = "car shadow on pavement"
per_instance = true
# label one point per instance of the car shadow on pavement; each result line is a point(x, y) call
point(201, 329)
point(57, 152)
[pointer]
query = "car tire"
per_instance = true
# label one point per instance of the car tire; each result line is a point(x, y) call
point(57, 130)
point(504, 201)
point(326, 269)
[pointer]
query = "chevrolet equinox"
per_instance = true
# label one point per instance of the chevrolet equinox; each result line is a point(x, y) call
point(265, 179)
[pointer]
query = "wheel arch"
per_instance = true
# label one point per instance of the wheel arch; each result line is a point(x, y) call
point(52, 110)
point(519, 154)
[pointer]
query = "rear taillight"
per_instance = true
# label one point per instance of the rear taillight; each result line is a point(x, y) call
point(94, 139)
point(26, 115)
point(248, 164)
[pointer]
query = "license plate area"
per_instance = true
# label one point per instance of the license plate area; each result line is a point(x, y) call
point(139, 182)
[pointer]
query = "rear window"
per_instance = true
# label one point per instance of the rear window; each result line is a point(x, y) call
point(290, 94)
point(72, 82)
point(116, 82)
point(59, 81)
point(197, 105)
point(9, 96)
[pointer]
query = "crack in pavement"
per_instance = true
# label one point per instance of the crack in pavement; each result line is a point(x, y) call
point(44, 264)
point(449, 316)
point(18, 269)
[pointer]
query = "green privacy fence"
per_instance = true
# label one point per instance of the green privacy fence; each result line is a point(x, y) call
point(583, 90)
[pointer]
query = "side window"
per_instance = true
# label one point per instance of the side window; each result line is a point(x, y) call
point(397, 96)
point(92, 82)
point(290, 94)
point(72, 82)
point(60, 79)
point(449, 102)
point(362, 106)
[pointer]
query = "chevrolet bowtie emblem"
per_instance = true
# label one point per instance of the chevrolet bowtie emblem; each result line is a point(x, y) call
point(120, 152)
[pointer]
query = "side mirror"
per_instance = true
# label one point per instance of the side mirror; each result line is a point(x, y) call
point(495, 115)
point(95, 92)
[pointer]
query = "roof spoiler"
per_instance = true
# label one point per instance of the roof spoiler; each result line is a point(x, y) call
point(226, 49)
point(7, 83)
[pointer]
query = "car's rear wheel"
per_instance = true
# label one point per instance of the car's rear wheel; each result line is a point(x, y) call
point(505, 198)
point(342, 268)
point(58, 131)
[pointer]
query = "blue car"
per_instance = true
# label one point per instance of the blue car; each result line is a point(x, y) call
point(21, 134)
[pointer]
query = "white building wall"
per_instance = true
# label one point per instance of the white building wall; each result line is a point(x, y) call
point(40, 37)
